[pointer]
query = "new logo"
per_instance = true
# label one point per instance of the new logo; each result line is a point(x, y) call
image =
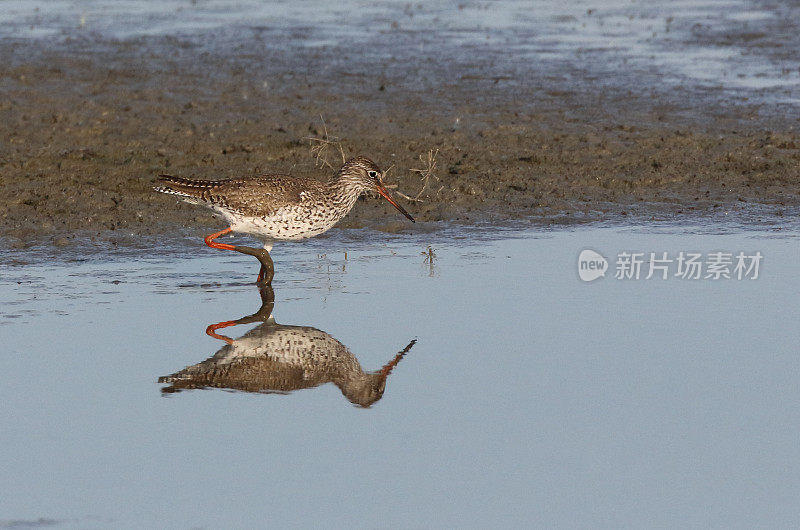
point(591, 265)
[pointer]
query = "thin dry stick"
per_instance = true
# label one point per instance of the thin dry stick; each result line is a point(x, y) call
point(426, 174)
point(385, 173)
point(319, 147)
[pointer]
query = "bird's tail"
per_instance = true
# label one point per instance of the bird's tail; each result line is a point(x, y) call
point(183, 187)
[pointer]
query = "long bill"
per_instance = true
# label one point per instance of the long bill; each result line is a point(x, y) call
point(388, 367)
point(385, 194)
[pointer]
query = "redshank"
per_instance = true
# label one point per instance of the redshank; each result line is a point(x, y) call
point(280, 207)
point(275, 358)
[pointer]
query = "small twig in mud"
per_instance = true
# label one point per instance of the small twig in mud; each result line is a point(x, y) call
point(319, 147)
point(426, 174)
point(394, 187)
point(403, 195)
point(430, 256)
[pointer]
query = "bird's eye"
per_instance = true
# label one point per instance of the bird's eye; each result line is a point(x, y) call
point(373, 174)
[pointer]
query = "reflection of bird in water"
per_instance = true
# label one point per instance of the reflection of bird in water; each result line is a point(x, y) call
point(272, 358)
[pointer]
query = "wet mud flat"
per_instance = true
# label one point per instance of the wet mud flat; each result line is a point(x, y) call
point(473, 132)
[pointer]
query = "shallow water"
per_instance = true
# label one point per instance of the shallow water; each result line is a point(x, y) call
point(530, 397)
point(737, 45)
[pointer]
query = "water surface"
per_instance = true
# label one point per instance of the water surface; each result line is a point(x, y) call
point(529, 398)
point(736, 45)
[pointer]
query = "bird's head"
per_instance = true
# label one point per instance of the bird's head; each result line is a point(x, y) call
point(365, 390)
point(363, 174)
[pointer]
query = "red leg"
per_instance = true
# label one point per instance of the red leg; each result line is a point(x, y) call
point(213, 244)
point(267, 268)
point(211, 330)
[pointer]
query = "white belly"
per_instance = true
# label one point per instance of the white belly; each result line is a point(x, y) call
point(292, 223)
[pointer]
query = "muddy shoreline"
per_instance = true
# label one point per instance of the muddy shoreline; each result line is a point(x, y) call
point(86, 125)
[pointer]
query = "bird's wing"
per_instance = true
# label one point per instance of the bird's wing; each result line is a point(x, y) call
point(252, 196)
point(262, 196)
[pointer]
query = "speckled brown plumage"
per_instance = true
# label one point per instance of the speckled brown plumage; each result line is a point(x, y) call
point(280, 207)
point(248, 196)
point(273, 358)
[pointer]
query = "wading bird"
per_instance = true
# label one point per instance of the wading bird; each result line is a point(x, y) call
point(280, 207)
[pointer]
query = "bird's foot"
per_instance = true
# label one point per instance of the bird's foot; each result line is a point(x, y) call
point(265, 275)
point(267, 271)
point(262, 315)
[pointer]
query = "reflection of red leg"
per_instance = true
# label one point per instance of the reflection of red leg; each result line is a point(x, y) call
point(211, 330)
point(261, 272)
point(213, 244)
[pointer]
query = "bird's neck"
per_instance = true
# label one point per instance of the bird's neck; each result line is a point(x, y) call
point(343, 192)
